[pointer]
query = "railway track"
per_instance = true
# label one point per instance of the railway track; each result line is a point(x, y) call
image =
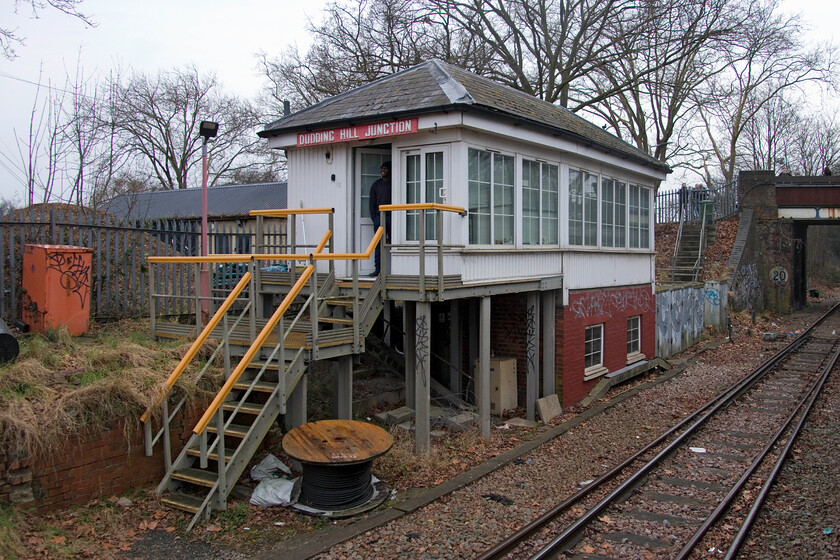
point(709, 473)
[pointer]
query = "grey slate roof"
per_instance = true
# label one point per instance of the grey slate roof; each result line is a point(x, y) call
point(433, 86)
point(222, 202)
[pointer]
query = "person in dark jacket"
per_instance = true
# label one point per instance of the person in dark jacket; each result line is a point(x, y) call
point(380, 193)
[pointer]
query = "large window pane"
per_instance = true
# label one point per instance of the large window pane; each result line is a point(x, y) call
point(530, 202)
point(412, 194)
point(479, 196)
point(550, 199)
point(575, 207)
point(590, 209)
point(491, 197)
point(434, 183)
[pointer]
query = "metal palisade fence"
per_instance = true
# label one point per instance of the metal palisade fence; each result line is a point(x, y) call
point(724, 195)
point(119, 272)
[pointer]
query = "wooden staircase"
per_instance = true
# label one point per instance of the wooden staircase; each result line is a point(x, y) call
point(205, 471)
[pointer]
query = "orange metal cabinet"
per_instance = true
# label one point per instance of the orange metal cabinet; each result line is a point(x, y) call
point(56, 284)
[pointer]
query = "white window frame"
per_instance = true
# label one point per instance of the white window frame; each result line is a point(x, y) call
point(639, 216)
point(589, 222)
point(547, 224)
point(494, 203)
point(634, 339)
point(594, 369)
point(613, 213)
point(438, 185)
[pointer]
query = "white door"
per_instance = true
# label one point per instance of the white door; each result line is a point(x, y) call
point(368, 163)
point(425, 179)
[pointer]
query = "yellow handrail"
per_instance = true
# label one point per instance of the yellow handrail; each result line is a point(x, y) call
point(199, 342)
point(422, 206)
point(353, 256)
point(236, 257)
point(281, 212)
point(252, 351)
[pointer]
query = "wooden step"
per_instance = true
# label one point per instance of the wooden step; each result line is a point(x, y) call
point(247, 408)
point(196, 476)
point(213, 456)
point(335, 320)
point(259, 386)
point(184, 502)
point(345, 302)
point(235, 430)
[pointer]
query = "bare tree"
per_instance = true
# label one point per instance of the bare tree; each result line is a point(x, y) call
point(768, 59)
point(156, 120)
point(40, 149)
point(681, 41)
point(9, 37)
point(359, 42)
point(816, 146)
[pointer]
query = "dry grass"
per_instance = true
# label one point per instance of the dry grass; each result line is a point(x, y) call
point(60, 385)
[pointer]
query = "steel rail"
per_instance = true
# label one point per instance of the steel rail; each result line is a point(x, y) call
point(722, 399)
point(771, 478)
point(802, 407)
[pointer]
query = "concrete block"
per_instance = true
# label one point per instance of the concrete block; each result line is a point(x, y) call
point(382, 417)
point(407, 426)
point(391, 397)
point(549, 408)
point(460, 422)
point(436, 412)
point(437, 435)
point(521, 423)
point(400, 415)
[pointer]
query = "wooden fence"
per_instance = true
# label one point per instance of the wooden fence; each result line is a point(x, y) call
point(119, 273)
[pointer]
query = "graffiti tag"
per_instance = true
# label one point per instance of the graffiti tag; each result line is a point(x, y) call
point(74, 273)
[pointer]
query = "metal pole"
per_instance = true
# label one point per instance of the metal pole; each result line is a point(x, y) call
point(205, 270)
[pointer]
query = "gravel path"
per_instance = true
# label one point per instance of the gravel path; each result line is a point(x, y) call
point(478, 515)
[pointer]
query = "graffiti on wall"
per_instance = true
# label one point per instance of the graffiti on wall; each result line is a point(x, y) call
point(531, 341)
point(713, 297)
point(593, 304)
point(423, 344)
point(74, 273)
point(747, 288)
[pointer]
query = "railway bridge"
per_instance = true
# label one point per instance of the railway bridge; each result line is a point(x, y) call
point(769, 262)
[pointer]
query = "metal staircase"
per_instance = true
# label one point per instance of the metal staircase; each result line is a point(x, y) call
point(690, 250)
point(330, 322)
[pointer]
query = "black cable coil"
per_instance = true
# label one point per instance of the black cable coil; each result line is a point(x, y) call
point(336, 487)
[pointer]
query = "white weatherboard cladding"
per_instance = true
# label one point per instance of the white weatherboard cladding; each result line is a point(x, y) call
point(584, 270)
point(490, 266)
point(311, 186)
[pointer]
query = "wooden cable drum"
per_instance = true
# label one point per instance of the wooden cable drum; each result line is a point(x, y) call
point(336, 457)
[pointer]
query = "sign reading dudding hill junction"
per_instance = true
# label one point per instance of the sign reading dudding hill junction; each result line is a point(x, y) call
point(359, 132)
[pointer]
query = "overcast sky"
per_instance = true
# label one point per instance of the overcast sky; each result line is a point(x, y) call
point(214, 35)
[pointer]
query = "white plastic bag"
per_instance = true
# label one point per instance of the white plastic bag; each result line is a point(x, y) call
point(270, 467)
point(276, 492)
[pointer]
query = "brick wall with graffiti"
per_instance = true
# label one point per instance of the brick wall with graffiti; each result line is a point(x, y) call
point(611, 308)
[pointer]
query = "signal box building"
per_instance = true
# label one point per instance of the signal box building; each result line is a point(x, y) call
point(548, 269)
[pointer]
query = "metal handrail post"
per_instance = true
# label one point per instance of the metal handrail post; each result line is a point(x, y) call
point(221, 501)
point(198, 323)
point(260, 248)
point(421, 247)
point(252, 297)
point(439, 217)
point(152, 299)
point(226, 345)
point(167, 451)
point(330, 220)
point(356, 317)
point(313, 305)
point(292, 247)
point(383, 261)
